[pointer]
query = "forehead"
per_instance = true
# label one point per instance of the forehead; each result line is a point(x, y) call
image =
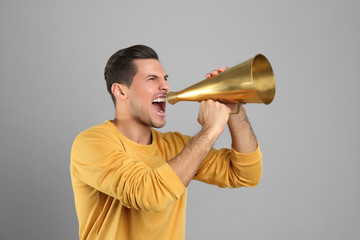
point(149, 66)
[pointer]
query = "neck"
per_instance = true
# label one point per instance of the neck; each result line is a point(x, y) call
point(135, 132)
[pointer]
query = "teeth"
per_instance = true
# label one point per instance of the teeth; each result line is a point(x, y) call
point(160, 100)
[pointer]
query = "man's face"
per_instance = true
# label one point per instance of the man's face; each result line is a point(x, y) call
point(148, 93)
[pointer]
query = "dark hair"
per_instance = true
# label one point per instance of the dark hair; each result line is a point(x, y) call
point(121, 68)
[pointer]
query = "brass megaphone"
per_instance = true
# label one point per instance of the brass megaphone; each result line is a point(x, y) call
point(252, 81)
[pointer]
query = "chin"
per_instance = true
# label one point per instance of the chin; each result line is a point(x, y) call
point(158, 125)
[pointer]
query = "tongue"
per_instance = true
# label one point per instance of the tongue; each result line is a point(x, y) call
point(159, 106)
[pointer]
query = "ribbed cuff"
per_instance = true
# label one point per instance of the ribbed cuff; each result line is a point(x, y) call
point(246, 159)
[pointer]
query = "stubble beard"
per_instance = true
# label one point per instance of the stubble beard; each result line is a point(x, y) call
point(142, 116)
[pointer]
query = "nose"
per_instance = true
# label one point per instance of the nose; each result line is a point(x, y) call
point(164, 86)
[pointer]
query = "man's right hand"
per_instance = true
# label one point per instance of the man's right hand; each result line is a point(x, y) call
point(213, 117)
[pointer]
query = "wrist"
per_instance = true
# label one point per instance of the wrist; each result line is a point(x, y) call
point(239, 118)
point(209, 134)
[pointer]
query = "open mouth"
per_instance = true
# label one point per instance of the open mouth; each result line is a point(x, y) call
point(159, 104)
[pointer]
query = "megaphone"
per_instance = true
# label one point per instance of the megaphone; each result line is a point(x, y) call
point(251, 81)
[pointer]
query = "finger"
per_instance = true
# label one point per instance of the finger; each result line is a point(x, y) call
point(215, 73)
point(221, 69)
point(208, 76)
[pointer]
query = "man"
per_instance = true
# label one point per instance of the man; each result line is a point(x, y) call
point(130, 180)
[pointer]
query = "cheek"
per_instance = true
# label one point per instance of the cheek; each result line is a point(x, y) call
point(141, 101)
point(144, 92)
point(144, 88)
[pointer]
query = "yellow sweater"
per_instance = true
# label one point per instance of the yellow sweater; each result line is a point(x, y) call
point(124, 190)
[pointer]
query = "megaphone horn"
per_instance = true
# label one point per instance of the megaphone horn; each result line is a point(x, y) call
point(251, 81)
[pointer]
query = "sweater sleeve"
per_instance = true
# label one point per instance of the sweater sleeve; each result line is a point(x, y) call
point(99, 161)
point(228, 168)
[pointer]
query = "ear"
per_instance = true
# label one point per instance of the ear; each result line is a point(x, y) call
point(120, 91)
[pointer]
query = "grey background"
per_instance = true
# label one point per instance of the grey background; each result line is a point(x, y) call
point(52, 56)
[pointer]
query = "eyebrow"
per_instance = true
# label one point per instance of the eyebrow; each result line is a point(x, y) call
point(156, 76)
